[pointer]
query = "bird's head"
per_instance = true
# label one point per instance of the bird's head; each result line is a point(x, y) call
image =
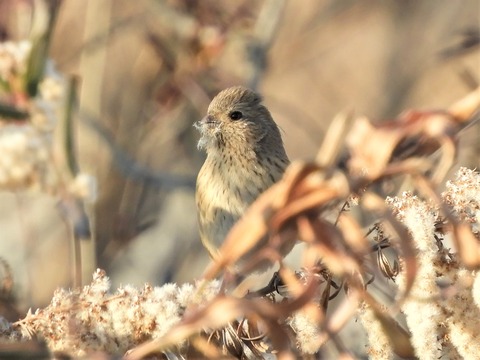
point(236, 119)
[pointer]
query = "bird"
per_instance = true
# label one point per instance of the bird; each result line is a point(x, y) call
point(245, 156)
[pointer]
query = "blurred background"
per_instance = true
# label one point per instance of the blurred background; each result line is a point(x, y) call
point(145, 71)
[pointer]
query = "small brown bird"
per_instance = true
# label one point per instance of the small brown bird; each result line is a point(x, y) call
point(245, 156)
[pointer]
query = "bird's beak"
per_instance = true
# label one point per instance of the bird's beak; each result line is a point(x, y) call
point(206, 121)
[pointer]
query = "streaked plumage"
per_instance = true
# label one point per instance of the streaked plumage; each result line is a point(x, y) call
point(245, 156)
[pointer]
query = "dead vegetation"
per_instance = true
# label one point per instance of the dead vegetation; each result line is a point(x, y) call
point(387, 237)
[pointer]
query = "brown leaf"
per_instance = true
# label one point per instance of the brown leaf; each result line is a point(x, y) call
point(468, 246)
point(399, 338)
point(316, 199)
point(247, 232)
point(342, 314)
point(334, 139)
point(302, 189)
point(301, 178)
point(414, 133)
point(353, 234)
point(327, 244)
point(464, 109)
point(222, 310)
point(371, 147)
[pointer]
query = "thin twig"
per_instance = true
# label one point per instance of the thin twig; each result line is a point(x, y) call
point(132, 169)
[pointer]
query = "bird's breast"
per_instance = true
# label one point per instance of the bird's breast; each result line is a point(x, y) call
point(225, 189)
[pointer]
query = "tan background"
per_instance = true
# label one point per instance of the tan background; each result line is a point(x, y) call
point(148, 70)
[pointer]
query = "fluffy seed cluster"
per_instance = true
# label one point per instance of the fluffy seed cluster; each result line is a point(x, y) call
point(463, 195)
point(78, 322)
point(84, 187)
point(13, 58)
point(379, 343)
point(26, 146)
point(307, 331)
point(25, 157)
point(423, 315)
point(443, 320)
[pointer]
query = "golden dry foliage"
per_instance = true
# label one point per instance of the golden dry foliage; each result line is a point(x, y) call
point(437, 291)
point(297, 207)
point(355, 236)
point(434, 286)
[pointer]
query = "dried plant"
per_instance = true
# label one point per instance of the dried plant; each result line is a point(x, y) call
point(436, 288)
point(36, 104)
point(84, 320)
point(26, 145)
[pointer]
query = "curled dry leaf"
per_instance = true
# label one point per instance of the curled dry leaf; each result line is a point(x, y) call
point(222, 310)
point(352, 233)
point(246, 233)
point(414, 133)
point(302, 189)
point(215, 315)
point(447, 159)
point(313, 194)
point(294, 208)
point(468, 246)
point(205, 347)
point(364, 140)
point(463, 109)
point(342, 314)
point(399, 338)
point(334, 139)
point(327, 244)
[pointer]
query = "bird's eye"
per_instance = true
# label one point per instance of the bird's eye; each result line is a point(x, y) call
point(236, 115)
